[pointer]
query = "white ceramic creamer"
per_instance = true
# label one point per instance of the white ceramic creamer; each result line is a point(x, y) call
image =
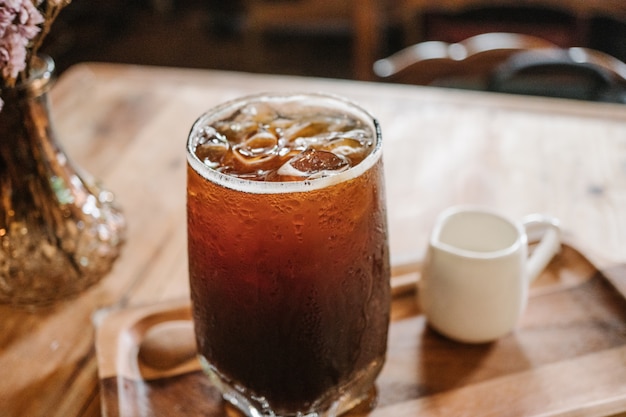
point(477, 271)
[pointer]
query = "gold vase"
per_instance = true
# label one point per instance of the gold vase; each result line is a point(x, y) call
point(60, 232)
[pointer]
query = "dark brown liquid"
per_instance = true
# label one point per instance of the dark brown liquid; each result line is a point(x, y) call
point(290, 291)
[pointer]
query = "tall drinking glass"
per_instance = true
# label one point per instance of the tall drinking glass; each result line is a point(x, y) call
point(288, 252)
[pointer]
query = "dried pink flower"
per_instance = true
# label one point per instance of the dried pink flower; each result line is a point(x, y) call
point(23, 25)
point(20, 23)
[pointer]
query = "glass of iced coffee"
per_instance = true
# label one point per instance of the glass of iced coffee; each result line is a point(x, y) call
point(288, 252)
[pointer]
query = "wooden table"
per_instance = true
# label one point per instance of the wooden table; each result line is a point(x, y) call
point(127, 125)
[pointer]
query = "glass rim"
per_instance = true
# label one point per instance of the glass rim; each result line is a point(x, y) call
point(276, 187)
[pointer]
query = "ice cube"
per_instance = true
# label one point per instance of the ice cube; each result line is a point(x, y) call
point(236, 131)
point(260, 144)
point(314, 164)
point(261, 147)
point(260, 112)
point(211, 147)
point(340, 123)
point(353, 145)
point(298, 130)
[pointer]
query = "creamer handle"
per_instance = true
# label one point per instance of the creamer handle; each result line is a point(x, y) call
point(546, 230)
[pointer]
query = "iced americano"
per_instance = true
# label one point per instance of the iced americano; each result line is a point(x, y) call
point(288, 252)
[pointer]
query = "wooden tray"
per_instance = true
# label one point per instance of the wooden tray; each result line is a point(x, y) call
point(567, 357)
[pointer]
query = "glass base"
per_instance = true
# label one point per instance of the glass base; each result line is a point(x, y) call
point(358, 392)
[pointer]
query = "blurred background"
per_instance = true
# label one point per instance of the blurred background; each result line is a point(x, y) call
point(312, 37)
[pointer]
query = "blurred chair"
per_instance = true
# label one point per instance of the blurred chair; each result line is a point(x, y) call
point(507, 62)
point(468, 62)
point(575, 73)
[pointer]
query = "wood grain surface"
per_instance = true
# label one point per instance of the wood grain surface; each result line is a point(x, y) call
point(127, 125)
point(562, 359)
